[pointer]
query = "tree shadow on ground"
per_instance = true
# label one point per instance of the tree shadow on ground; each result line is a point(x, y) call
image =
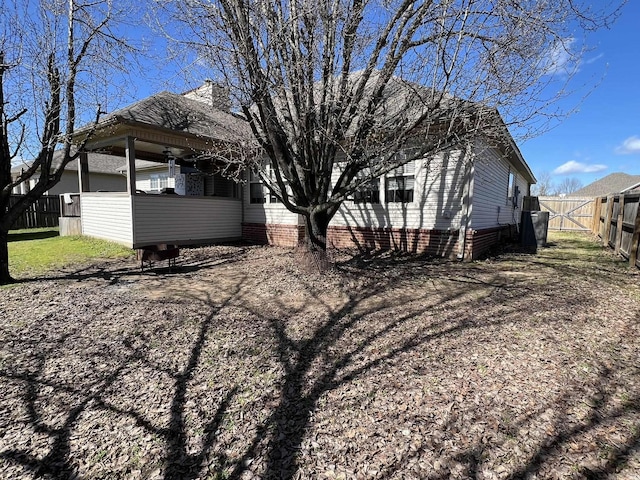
point(470, 463)
point(24, 236)
point(114, 271)
point(304, 384)
point(56, 462)
point(41, 393)
point(339, 345)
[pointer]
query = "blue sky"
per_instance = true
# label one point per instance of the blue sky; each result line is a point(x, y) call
point(603, 136)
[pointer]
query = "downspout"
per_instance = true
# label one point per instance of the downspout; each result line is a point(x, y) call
point(464, 226)
point(242, 206)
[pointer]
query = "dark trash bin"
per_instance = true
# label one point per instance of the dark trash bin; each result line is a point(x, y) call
point(534, 228)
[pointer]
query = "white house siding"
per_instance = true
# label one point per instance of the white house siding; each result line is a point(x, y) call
point(184, 220)
point(491, 206)
point(437, 202)
point(266, 213)
point(107, 216)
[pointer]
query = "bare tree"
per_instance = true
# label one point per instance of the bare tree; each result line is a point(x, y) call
point(568, 185)
point(544, 185)
point(356, 88)
point(52, 56)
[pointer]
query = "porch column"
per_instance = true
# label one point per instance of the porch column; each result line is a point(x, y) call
point(83, 172)
point(130, 155)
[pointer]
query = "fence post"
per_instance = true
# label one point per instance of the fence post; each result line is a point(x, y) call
point(633, 250)
point(607, 220)
point(595, 219)
point(83, 172)
point(619, 220)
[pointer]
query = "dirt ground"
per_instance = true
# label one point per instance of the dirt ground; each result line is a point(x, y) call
point(242, 364)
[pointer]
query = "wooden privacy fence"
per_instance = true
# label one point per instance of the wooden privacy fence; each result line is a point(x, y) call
point(617, 223)
point(44, 212)
point(568, 213)
point(70, 205)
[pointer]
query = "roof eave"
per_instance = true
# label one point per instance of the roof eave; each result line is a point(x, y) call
point(524, 167)
point(632, 187)
point(121, 121)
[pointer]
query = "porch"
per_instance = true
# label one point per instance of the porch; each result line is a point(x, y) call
point(189, 134)
point(140, 220)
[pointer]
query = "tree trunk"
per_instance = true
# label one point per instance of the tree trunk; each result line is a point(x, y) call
point(316, 235)
point(5, 278)
point(316, 241)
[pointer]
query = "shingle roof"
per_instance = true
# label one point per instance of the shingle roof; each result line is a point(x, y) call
point(98, 163)
point(612, 183)
point(403, 103)
point(177, 113)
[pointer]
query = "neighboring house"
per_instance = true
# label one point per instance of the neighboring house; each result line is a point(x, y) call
point(104, 176)
point(151, 177)
point(457, 204)
point(611, 184)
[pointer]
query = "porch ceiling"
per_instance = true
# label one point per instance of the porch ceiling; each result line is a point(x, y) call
point(150, 143)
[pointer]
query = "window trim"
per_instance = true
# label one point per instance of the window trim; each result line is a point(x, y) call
point(404, 172)
point(511, 186)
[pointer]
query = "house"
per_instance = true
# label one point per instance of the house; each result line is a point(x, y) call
point(107, 174)
point(104, 175)
point(456, 204)
point(611, 184)
point(166, 128)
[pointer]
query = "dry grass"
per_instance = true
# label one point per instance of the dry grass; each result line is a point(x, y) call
point(243, 365)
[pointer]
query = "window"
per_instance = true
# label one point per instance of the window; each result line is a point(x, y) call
point(400, 184)
point(400, 189)
point(511, 189)
point(258, 192)
point(256, 189)
point(158, 181)
point(369, 192)
point(273, 198)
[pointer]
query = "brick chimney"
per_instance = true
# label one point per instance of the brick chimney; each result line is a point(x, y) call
point(212, 94)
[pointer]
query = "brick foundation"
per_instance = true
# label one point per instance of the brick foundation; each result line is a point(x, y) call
point(479, 241)
point(440, 243)
point(272, 234)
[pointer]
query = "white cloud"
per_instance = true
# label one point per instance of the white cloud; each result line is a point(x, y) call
point(560, 58)
point(576, 167)
point(630, 145)
point(589, 61)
